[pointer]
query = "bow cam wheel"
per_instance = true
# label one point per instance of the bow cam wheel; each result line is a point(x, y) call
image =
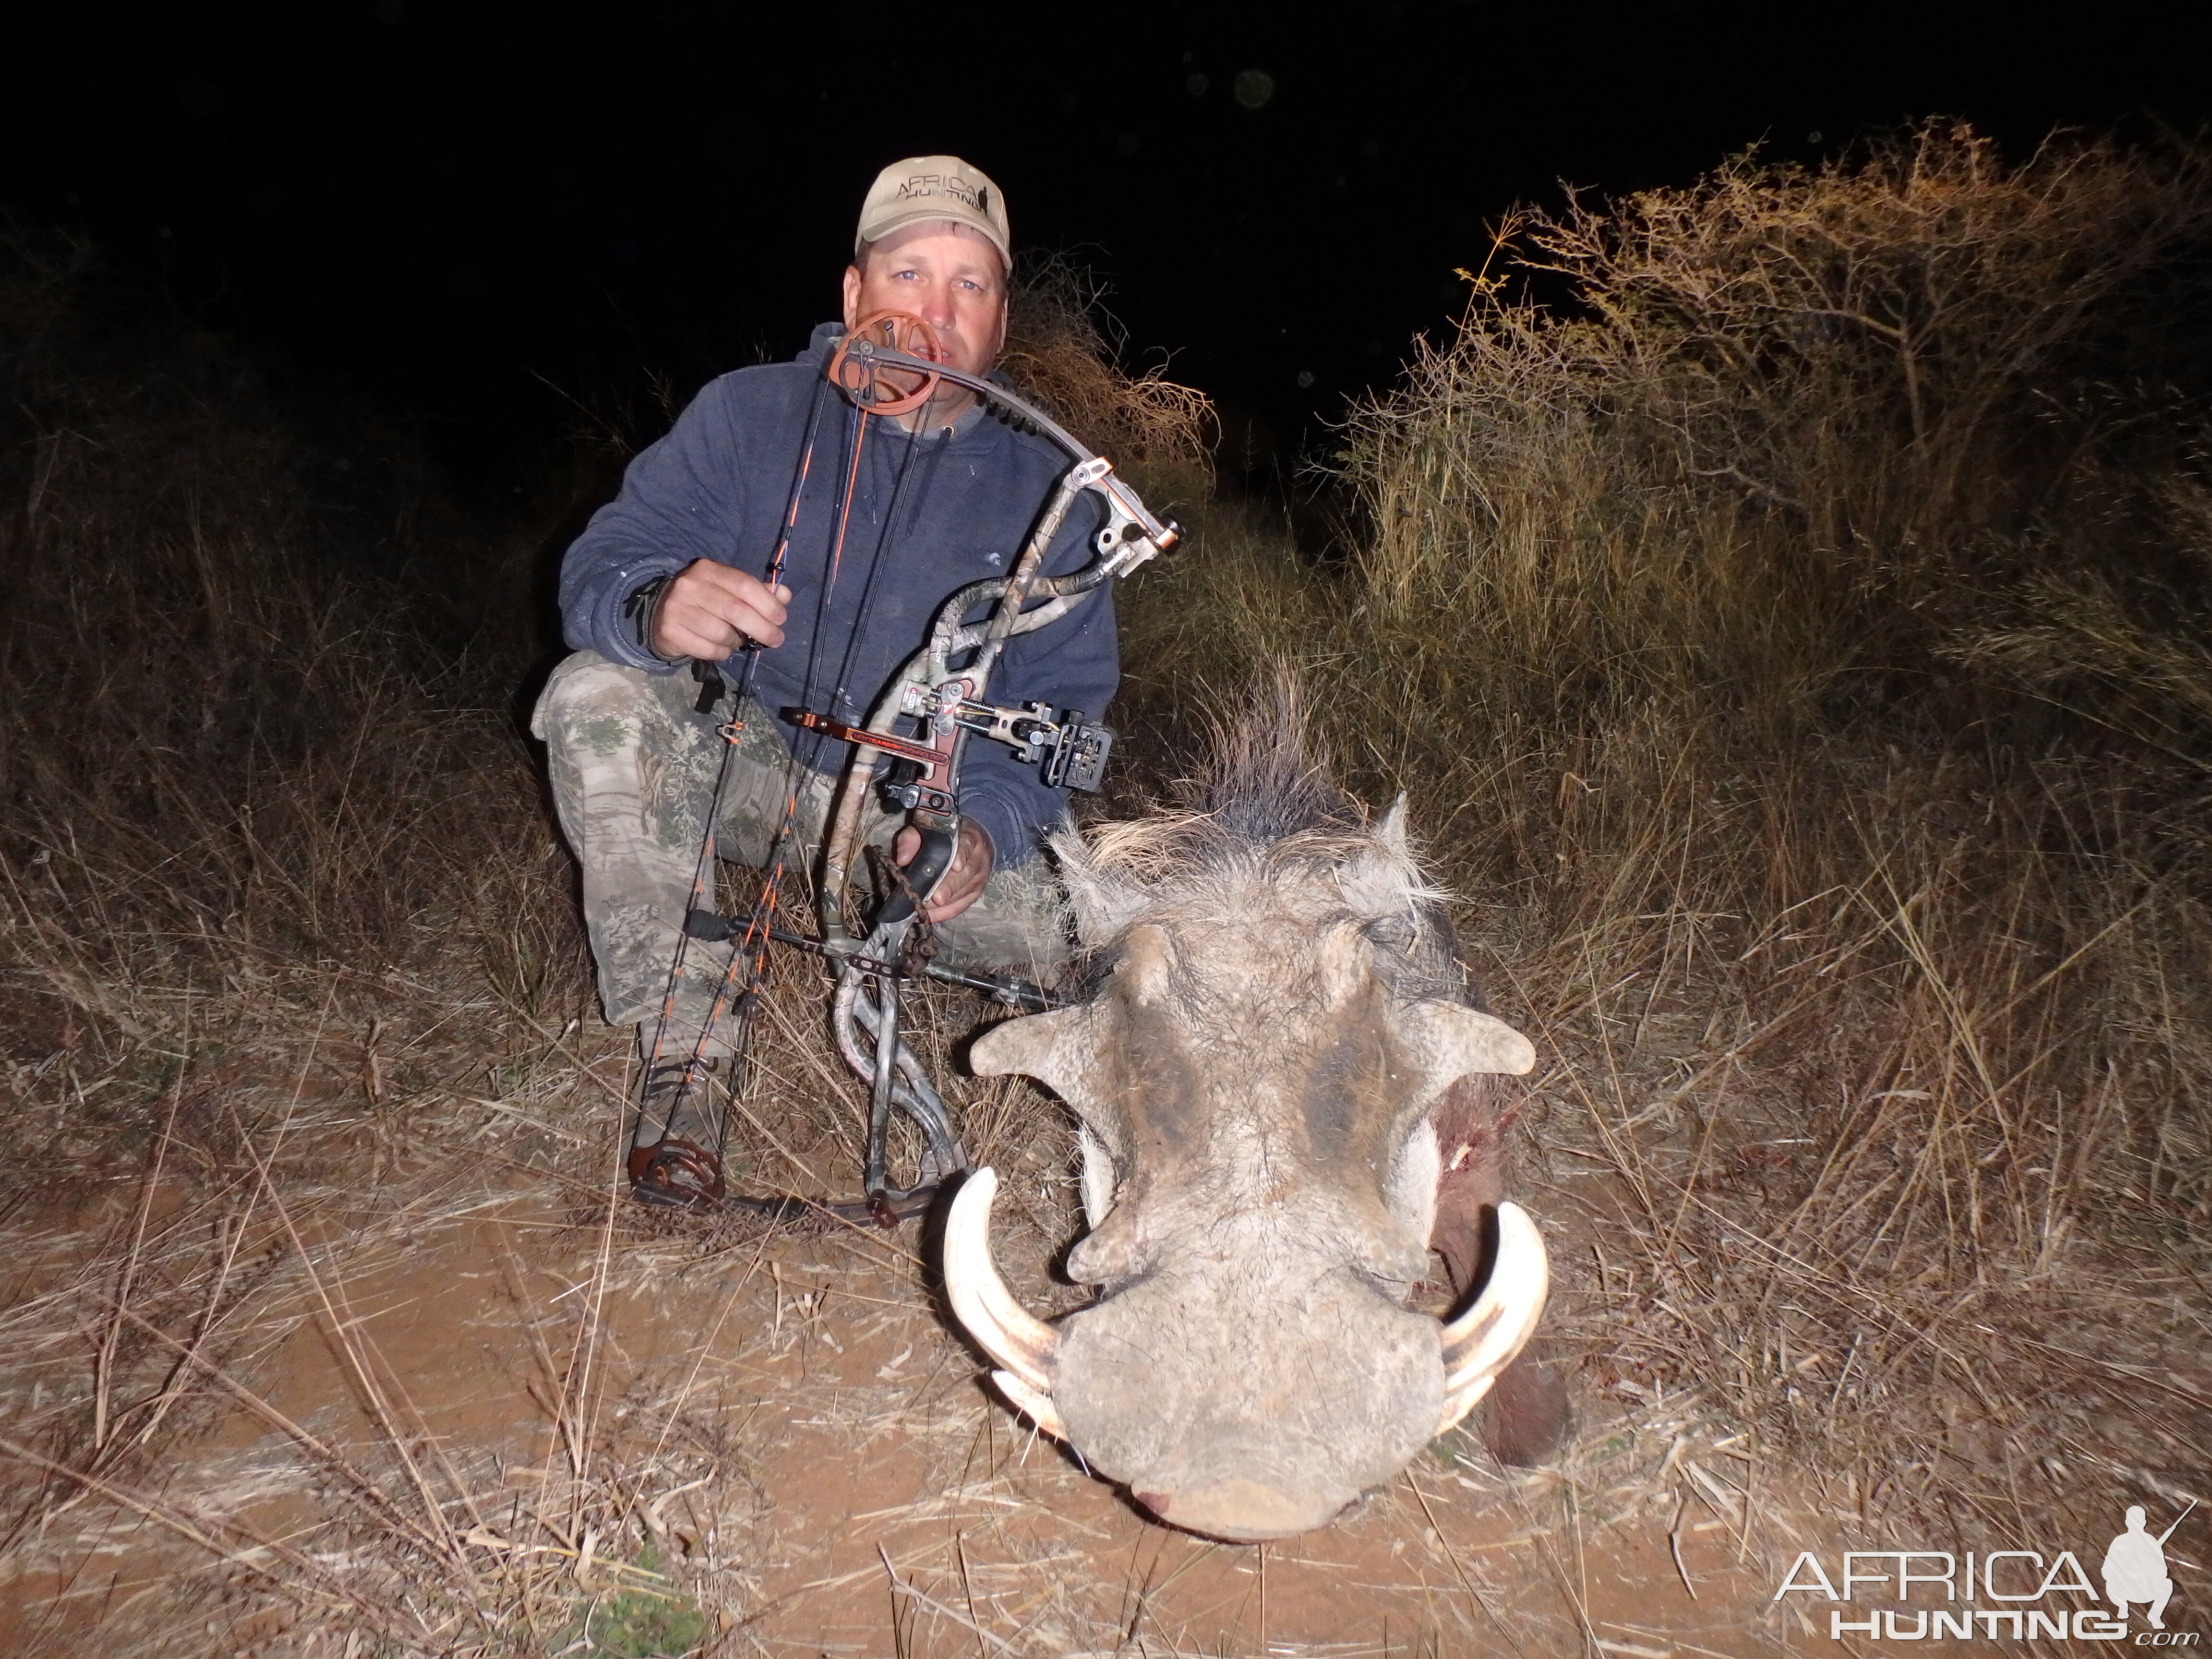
point(879, 387)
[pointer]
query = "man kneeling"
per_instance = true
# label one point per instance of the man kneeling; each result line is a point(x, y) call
point(885, 517)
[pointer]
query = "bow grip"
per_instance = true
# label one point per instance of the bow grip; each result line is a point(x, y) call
point(931, 861)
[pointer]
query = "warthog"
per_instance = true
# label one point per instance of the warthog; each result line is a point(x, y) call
point(1284, 1090)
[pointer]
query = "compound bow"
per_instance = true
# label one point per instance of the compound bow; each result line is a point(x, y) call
point(888, 365)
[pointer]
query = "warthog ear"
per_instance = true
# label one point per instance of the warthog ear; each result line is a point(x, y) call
point(1054, 1049)
point(1472, 1042)
point(1103, 904)
point(1390, 834)
point(1383, 878)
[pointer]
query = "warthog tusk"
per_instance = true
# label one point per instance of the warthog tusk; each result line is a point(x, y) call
point(1482, 1341)
point(1002, 1328)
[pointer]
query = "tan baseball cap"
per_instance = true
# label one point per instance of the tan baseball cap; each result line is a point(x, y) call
point(934, 188)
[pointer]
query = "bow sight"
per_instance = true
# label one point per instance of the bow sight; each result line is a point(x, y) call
point(890, 364)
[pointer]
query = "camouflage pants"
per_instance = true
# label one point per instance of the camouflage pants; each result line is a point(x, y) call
point(633, 764)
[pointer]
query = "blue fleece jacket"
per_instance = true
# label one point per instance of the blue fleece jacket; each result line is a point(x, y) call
point(929, 514)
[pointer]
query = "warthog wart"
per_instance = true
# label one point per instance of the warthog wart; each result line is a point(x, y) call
point(1283, 1086)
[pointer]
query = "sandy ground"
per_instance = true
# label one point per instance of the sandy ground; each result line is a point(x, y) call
point(782, 1433)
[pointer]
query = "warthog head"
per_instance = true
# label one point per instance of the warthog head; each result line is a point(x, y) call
point(1275, 1014)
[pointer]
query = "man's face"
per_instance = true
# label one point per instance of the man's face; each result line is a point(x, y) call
point(947, 275)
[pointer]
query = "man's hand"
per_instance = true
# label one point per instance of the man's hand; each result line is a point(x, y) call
point(708, 610)
point(964, 881)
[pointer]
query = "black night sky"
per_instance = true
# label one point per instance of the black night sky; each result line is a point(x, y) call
point(442, 207)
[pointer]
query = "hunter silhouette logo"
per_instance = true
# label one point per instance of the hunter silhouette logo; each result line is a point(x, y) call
point(2014, 1594)
point(2135, 1568)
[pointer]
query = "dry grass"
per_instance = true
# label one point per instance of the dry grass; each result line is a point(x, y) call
point(1785, 642)
point(1875, 994)
point(1064, 352)
point(283, 943)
